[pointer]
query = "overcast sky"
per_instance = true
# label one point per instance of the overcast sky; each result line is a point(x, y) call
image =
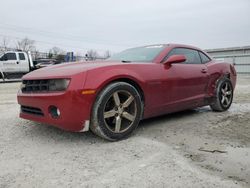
point(115, 25)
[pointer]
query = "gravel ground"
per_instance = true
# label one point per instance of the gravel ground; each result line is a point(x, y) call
point(195, 148)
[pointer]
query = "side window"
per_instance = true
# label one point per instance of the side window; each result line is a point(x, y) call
point(172, 52)
point(11, 56)
point(21, 56)
point(4, 58)
point(204, 58)
point(191, 55)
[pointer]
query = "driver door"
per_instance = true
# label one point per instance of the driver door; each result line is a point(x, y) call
point(185, 83)
point(10, 62)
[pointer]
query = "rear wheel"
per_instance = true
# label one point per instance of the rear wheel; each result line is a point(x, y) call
point(116, 112)
point(224, 95)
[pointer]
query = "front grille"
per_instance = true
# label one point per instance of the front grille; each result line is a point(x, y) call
point(29, 86)
point(32, 110)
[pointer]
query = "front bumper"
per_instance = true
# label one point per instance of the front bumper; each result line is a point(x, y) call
point(75, 108)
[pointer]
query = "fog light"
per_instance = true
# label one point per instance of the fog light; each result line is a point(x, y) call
point(54, 111)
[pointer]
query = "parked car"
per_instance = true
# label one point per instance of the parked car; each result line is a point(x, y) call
point(111, 97)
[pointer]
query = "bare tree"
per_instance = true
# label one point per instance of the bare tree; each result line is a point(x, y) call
point(57, 53)
point(92, 55)
point(107, 54)
point(36, 54)
point(26, 44)
point(5, 44)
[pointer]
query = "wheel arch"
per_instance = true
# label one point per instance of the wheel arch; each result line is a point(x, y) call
point(220, 70)
point(224, 75)
point(130, 81)
point(135, 83)
point(97, 124)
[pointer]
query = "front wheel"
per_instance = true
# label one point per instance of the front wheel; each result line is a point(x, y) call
point(117, 111)
point(224, 95)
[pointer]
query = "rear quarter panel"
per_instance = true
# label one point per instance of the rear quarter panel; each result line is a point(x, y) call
point(218, 70)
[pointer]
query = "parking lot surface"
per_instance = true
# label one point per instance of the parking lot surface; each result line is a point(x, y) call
point(194, 148)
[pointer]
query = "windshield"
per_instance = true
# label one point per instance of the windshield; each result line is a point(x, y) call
point(143, 54)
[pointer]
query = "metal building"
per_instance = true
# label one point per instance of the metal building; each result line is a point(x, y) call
point(239, 56)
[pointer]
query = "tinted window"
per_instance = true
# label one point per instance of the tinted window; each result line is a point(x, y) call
point(11, 56)
point(204, 58)
point(21, 56)
point(4, 57)
point(192, 56)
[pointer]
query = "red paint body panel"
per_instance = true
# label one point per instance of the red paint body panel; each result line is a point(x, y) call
point(165, 88)
point(74, 109)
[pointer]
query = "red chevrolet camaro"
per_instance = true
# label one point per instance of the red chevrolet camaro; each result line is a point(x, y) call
point(111, 97)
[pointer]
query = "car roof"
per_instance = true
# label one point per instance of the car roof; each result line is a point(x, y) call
point(172, 45)
point(183, 46)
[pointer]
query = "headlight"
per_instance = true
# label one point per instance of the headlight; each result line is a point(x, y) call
point(58, 84)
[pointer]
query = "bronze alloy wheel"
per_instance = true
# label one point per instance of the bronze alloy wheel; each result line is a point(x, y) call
point(226, 94)
point(117, 111)
point(120, 111)
point(223, 95)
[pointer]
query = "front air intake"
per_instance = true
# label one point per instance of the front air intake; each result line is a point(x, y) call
point(32, 110)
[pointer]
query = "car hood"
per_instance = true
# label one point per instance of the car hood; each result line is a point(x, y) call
point(67, 69)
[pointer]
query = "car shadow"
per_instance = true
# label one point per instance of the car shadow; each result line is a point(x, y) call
point(50, 133)
point(47, 133)
point(172, 116)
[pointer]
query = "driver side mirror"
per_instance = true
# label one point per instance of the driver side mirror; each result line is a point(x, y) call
point(175, 59)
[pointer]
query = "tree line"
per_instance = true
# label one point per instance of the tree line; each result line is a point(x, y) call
point(55, 52)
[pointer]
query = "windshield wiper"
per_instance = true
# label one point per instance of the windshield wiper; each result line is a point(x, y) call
point(125, 61)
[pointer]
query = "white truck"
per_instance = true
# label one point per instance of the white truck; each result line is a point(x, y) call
point(14, 64)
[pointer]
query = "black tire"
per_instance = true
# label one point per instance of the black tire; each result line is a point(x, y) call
point(224, 95)
point(117, 111)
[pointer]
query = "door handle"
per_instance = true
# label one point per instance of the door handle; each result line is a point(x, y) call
point(204, 70)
